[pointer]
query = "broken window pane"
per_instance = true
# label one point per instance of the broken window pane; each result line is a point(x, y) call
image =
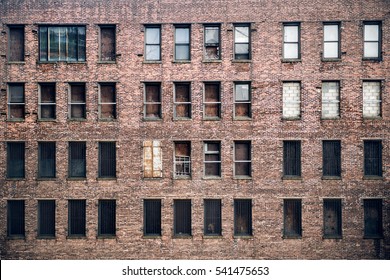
point(77, 159)
point(46, 159)
point(212, 159)
point(182, 159)
point(241, 42)
point(242, 158)
point(242, 217)
point(77, 106)
point(16, 101)
point(107, 43)
point(47, 103)
point(107, 102)
point(242, 100)
point(152, 217)
point(212, 217)
point(332, 218)
point(182, 217)
point(16, 43)
point(292, 218)
point(152, 104)
point(15, 160)
point(211, 42)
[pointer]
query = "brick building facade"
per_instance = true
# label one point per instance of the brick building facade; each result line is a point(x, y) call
point(195, 129)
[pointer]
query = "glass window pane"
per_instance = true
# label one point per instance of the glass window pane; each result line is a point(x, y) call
point(72, 43)
point(43, 43)
point(242, 92)
point(182, 52)
point(291, 33)
point(331, 32)
point(152, 35)
point(62, 42)
point(212, 36)
point(331, 50)
point(241, 34)
point(152, 52)
point(182, 35)
point(371, 49)
point(290, 50)
point(54, 35)
point(242, 48)
point(16, 94)
point(371, 32)
point(81, 43)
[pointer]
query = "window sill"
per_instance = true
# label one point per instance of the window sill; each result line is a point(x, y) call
point(211, 178)
point(76, 120)
point(291, 118)
point(181, 61)
point(65, 62)
point(16, 179)
point(241, 61)
point(291, 60)
point(182, 177)
point(243, 236)
point(106, 237)
point(372, 177)
point(292, 236)
point(211, 119)
point(212, 60)
point(219, 236)
point(373, 237)
point(20, 237)
point(372, 118)
point(106, 179)
point(331, 59)
point(16, 62)
point(47, 179)
point(291, 177)
point(183, 236)
point(76, 237)
point(152, 178)
point(152, 62)
point(46, 237)
point(106, 62)
point(242, 177)
point(15, 120)
point(332, 237)
point(182, 119)
point(76, 179)
point(47, 120)
point(152, 119)
point(372, 59)
point(108, 120)
point(242, 118)
point(330, 119)
point(151, 237)
point(331, 177)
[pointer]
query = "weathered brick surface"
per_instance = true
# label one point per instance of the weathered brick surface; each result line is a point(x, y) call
point(266, 130)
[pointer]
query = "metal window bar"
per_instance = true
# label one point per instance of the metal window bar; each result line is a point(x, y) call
point(152, 217)
point(332, 218)
point(46, 159)
point(15, 218)
point(77, 159)
point(292, 218)
point(242, 217)
point(331, 153)
point(182, 165)
point(46, 218)
point(212, 217)
point(15, 160)
point(373, 224)
point(107, 218)
point(182, 217)
point(292, 158)
point(107, 160)
point(76, 217)
point(373, 158)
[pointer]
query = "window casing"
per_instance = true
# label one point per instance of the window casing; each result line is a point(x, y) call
point(242, 159)
point(107, 101)
point(152, 217)
point(332, 218)
point(242, 100)
point(373, 158)
point(153, 43)
point(182, 101)
point(292, 218)
point(182, 217)
point(212, 217)
point(46, 218)
point(46, 160)
point(330, 100)
point(212, 101)
point(77, 160)
point(373, 226)
point(152, 159)
point(292, 100)
point(107, 43)
point(16, 102)
point(107, 218)
point(372, 36)
point(15, 160)
point(242, 217)
point(182, 43)
point(107, 160)
point(76, 218)
point(77, 102)
point(182, 159)
point(62, 43)
point(212, 48)
point(152, 101)
point(291, 41)
point(15, 219)
point(47, 101)
point(291, 159)
point(331, 41)
point(331, 158)
point(212, 159)
point(242, 50)
point(372, 99)
point(16, 43)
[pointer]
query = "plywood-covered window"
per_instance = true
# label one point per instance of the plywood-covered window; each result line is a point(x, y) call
point(242, 217)
point(107, 160)
point(373, 158)
point(242, 100)
point(107, 217)
point(77, 160)
point(15, 219)
point(16, 43)
point(212, 100)
point(332, 218)
point(77, 101)
point(182, 160)
point(107, 101)
point(292, 211)
point(76, 217)
point(152, 101)
point(291, 159)
point(16, 102)
point(242, 159)
point(46, 218)
point(47, 101)
point(152, 217)
point(212, 159)
point(152, 156)
point(331, 158)
point(46, 159)
point(212, 217)
point(107, 43)
point(212, 48)
point(373, 227)
point(182, 102)
point(182, 217)
point(15, 160)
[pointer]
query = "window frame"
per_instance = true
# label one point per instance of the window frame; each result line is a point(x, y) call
point(182, 26)
point(178, 103)
point(40, 103)
point(185, 203)
point(378, 204)
point(218, 44)
point(332, 23)
point(298, 43)
point(212, 161)
point(103, 216)
point(53, 217)
point(236, 102)
point(9, 47)
point(338, 211)
point(70, 143)
point(296, 217)
point(146, 27)
point(336, 173)
point(379, 160)
point(245, 203)
point(10, 103)
point(235, 161)
point(146, 84)
point(9, 159)
point(219, 102)
point(212, 216)
point(107, 26)
point(11, 220)
point(153, 219)
point(235, 58)
point(183, 161)
point(100, 102)
point(40, 143)
point(70, 103)
point(298, 160)
point(113, 160)
point(82, 219)
point(379, 41)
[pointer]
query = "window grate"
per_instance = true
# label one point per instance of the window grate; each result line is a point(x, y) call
point(331, 152)
point(292, 158)
point(373, 158)
point(332, 218)
point(46, 218)
point(212, 217)
point(152, 217)
point(373, 227)
point(107, 217)
point(107, 160)
point(76, 217)
point(242, 217)
point(292, 218)
point(182, 217)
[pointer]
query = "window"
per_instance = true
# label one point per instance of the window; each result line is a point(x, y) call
point(107, 43)
point(152, 217)
point(15, 219)
point(76, 217)
point(153, 43)
point(242, 100)
point(212, 159)
point(212, 46)
point(77, 160)
point(16, 102)
point(331, 158)
point(291, 100)
point(212, 101)
point(16, 43)
point(372, 40)
point(372, 99)
point(152, 159)
point(107, 102)
point(330, 100)
point(242, 159)
point(47, 102)
point(62, 43)
point(182, 103)
point(77, 101)
point(331, 41)
point(182, 167)
point(373, 158)
point(152, 101)
point(291, 159)
point(242, 41)
point(182, 217)
point(107, 160)
point(182, 43)
point(107, 218)
point(15, 160)
point(373, 218)
point(212, 217)
point(46, 159)
point(242, 217)
point(291, 41)
point(46, 218)
point(332, 218)
point(292, 218)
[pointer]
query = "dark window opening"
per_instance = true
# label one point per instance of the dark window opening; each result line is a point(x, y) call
point(152, 103)
point(15, 218)
point(46, 218)
point(76, 217)
point(373, 218)
point(212, 101)
point(182, 104)
point(332, 218)
point(182, 159)
point(242, 217)
point(212, 217)
point(242, 41)
point(242, 100)
point(107, 102)
point(211, 42)
point(107, 43)
point(107, 218)
point(242, 158)
point(331, 153)
point(292, 158)
point(152, 217)
point(292, 218)
point(16, 43)
point(182, 43)
point(107, 160)
point(16, 102)
point(15, 160)
point(47, 102)
point(373, 158)
point(212, 159)
point(77, 159)
point(46, 159)
point(153, 43)
point(182, 219)
point(77, 101)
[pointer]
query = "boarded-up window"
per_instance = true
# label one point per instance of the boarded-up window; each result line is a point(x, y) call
point(242, 217)
point(15, 160)
point(211, 42)
point(152, 159)
point(291, 100)
point(15, 218)
point(107, 160)
point(372, 99)
point(16, 43)
point(16, 101)
point(292, 218)
point(242, 158)
point(212, 159)
point(46, 218)
point(46, 159)
point(76, 217)
point(182, 217)
point(107, 218)
point(152, 217)
point(152, 101)
point(182, 42)
point(242, 41)
point(107, 101)
point(212, 217)
point(77, 98)
point(47, 102)
point(182, 103)
point(331, 156)
point(292, 158)
point(330, 100)
point(182, 159)
point(242, 100)
point(373, 158)
point(107, 43)
point(77, 159)
point(153, 43)
point(212, 101)
point(373, 218)
point(332, 218)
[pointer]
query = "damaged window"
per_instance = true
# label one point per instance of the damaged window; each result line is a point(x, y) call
point(292, 218)
point(242, 100)
point(182, 159)
point(182, 217)
point(291, 41)
point(331, 158)
point(107, 43)
point(212, 42)
point(77, 159)
point(152, 217)
point(182, 42)
point(77, 101)
point(212, 217)
point(46, 218)
point(47, 102)
point(242, 217)
point(212, 101)
point(15, 160)
point(107, 218)
point(182, 103)
point(16, 102)
point(212, 159)
point(76, 217)
point(373, 227)
point(242, 42)
point(242, 159)
point(332, 218)
point(107, 160)
point(152, 101)
point(153, 43)
point(107, 101)
point(46, 159)
point(16, 43)
point(15, 219)
point(152, 159)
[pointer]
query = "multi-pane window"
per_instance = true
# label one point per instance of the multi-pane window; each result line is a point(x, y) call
point(242, 159)
point(242, 217)
point(107, 43)
point(15, 160)
point(107, 101)
point(152, 159)
point(15, 218)
point(372, 99)
point(182, 42)
point(373, 227)
point(212, 159)
point(182, 164)
point(107, 160)
point(47, 101)
point(332, 218)
point(152, 217)
point(152, 101)
point(107, 218)
point(242, 100)
point(291, 159)
point(182, 217)
point(372, 40)
point(16, 101)
point(242, 41)
point(16, 43)
point(292, 211)
point(153, 43)
point(62, 43)
point(373, 158)
point(212, 48)
point(212, 217)
point(46, 218)
point(291, 100)
point(182, 102)
point(76, 217)
point(330, 100)
point(212, 101)
point(291, 41)
point(77, 101)
point(77, 160)
point(46, 159)
point(331, 158)
point(331, 41)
